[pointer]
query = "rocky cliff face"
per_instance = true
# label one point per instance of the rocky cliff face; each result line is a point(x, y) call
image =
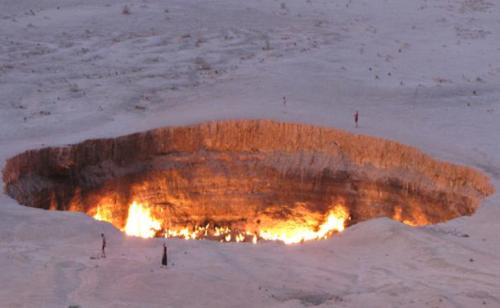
point(248, 173)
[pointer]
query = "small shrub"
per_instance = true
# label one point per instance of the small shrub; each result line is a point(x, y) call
point(126, 10)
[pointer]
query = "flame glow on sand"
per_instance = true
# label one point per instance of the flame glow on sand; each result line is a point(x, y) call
point(142, 223)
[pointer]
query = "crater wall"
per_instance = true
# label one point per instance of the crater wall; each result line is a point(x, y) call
point(246, 172)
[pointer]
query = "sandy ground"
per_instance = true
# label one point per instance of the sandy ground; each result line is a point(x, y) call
point(425, 73)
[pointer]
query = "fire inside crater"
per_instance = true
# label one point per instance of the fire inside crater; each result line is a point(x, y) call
point(244, 181)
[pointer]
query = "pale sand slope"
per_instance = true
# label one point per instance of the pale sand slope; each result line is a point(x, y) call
point(425, 73)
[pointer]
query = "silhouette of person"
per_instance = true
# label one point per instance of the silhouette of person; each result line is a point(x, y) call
point(164, 260)
point(103, 248)
point(356, 118)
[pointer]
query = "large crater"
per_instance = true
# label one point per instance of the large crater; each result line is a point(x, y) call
point(245, 179)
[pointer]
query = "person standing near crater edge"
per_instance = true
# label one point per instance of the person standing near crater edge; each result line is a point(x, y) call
point(356, 118)
point(164, 260)
point(103, 247)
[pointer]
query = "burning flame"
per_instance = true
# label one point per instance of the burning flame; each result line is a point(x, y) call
point(418, 219)
point(103, 214)
point(291, 233)
point(140, 222)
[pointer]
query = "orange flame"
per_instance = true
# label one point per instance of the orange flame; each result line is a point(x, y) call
point(417, 218)
point(140, 222)
point(290, 232)
point(103, 214)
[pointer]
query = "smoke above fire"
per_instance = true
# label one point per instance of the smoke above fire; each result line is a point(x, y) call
point(141, 222)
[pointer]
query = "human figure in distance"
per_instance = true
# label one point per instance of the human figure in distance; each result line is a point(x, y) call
point(164, 260)
point(103, 247)
point(356, 118)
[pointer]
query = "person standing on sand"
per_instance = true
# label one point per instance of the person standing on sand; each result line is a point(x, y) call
point(103, 248)
point(164, 260)
point(356, 118)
